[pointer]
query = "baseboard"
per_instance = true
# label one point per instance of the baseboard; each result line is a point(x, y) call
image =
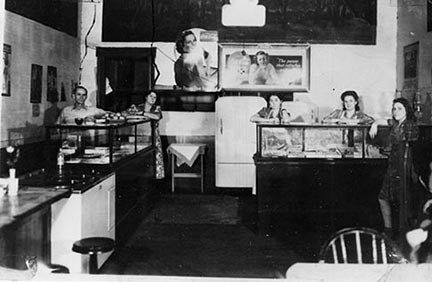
point(233, 191)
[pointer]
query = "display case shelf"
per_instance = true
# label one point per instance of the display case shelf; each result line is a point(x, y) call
point(104, 143)
point(316, 141)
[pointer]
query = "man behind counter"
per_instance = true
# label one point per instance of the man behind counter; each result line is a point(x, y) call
point(79, 109)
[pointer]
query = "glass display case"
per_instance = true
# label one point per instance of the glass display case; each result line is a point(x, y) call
point(329, 141)
point(102, 143)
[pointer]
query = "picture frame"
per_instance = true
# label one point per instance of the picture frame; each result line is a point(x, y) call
point(36, 84)
point(411, 62)
point(287, 68)
point(429, 16)
point(52, 92)
point(7, 64)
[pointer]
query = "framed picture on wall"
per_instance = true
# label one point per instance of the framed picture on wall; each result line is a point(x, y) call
point(264, 67)
point(429, 15)
point(7, 56)
point(36, 84)
point(411, 57)
point(52, 92)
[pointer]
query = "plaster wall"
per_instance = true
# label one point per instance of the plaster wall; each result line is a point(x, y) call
point(34, 43)
point(412, 28)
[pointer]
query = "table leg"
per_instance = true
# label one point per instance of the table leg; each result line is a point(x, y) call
point(202, 173)
point(172, 172)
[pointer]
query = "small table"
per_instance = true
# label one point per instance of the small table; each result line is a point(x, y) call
point(186, 153)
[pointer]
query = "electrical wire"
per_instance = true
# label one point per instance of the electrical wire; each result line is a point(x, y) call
point(152, 41)
point(86, 43)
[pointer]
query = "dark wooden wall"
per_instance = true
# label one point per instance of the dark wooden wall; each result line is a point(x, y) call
point(290, 21)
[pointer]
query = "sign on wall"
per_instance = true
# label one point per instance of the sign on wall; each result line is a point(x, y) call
point(52, 92)
point(429, 15)
point(7, 57)
point(264, 67)
point(411, 56)
point(36, 84)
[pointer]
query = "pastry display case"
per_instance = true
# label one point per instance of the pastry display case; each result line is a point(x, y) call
point(328, 141)
point(105, 143)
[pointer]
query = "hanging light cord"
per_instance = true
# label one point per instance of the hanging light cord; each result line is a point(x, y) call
point(86, 43)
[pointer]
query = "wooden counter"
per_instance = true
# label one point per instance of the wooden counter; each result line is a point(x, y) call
point(29, 200)
point(25, 225)
point(327, 194)
point(323, 272)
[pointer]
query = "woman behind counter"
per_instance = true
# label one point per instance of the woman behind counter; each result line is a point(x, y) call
point(273, 112)
point(151, 110)
point(403, 129)
point(350, 110)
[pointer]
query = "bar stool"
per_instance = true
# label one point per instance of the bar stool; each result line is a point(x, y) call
point(93, 246)
point(186, 153)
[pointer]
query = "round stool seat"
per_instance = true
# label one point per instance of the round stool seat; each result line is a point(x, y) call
point(93, 245)
point(57, 268)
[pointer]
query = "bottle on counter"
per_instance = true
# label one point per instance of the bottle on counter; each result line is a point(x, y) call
point(60, 160)
point(417, 106)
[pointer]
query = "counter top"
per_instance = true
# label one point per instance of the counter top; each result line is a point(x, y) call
point(28, 201)
point(322, 272)
point(77, 180)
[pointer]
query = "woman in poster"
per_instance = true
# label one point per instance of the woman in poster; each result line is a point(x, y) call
point(192, 67)
point(262, 71)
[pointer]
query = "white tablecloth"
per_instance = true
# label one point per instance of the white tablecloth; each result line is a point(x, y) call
point(186, 153)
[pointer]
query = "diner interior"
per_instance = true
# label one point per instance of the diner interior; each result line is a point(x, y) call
point(195, 189)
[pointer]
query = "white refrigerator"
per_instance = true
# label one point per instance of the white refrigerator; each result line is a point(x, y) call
point(236, 141)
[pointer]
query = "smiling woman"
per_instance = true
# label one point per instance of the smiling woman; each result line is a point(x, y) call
point(350, 112)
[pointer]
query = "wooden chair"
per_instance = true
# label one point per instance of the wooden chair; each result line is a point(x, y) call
point(360, 245)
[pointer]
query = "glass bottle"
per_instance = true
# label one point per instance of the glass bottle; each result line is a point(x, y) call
point(417, 106)
point(60, 161)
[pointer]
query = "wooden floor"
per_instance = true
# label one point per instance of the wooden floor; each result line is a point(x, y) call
point(221, 240)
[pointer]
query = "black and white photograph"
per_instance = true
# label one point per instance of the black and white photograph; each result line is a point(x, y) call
point(267, 68)
point(52, 91)
point(216, 140)
point(36, 84)
point(7, 65)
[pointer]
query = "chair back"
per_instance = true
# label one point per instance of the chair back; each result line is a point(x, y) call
point(360, 245)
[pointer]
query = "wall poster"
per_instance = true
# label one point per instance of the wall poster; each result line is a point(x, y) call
point(7, 56)
point(411, 56)
point(36, 84)
point(52, 93)
point(264, 67)
point(35, 110)
point(429, 15)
